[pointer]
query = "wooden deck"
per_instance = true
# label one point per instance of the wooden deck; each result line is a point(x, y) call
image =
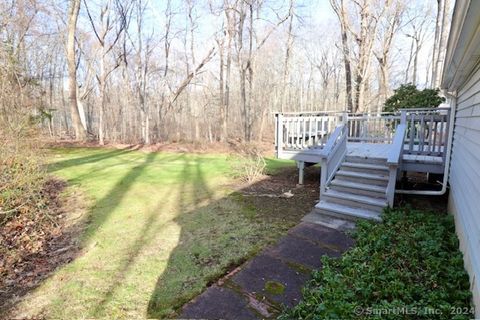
point(368, 150)
point(360, 152)
point(413, 162)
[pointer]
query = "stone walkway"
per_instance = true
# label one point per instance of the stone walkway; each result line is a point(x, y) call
point(272, 279)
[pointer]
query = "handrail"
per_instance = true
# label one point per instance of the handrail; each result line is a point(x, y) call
point(422, 109)
point(331, 142)
point(397, 145)
point(306, 112)
point(332, 155)
point(393, 161)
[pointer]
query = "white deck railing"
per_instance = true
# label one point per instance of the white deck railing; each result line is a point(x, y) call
point(426, 129)
point(300, 131)
point(373, 128)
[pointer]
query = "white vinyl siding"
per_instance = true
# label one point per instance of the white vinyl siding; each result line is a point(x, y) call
point(464, 199)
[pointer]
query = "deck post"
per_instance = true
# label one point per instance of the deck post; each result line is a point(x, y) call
point(279, 135)
point(392, 179)
point(301, 172)
point(403, 117)
point(323, 175)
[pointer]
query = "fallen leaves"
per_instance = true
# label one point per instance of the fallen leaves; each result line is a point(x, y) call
point(33, 244)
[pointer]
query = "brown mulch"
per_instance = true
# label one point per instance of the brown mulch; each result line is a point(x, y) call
point(32, 246)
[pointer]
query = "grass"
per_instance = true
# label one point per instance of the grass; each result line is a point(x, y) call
point(160, 227)
point(409, 267)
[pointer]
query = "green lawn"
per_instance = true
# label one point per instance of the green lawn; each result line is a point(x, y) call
point(161, 226)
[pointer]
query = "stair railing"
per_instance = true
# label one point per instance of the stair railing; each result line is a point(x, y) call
point(394, 158)
point(332, 155)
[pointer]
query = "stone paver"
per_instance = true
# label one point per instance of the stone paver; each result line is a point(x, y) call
point(264, 270)
point(218, 303)
point(272, 279)
point(323, 235)
point(302, 252)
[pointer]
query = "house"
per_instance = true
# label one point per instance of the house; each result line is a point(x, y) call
point(362, 156)
point(461, 81)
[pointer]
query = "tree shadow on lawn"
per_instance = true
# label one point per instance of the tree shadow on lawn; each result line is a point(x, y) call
point(69, 236)
point(150, 228)
point(212, 234)
point(221, 235)
point(73, 162)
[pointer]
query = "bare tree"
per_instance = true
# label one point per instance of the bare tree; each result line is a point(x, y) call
point(418, 33)
point(113, 20)
point(340, 10)
point(440, 42)
point(288, 54)
point(80, 133)
point(387, 31)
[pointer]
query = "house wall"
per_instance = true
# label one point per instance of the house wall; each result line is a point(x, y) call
point(464, 198)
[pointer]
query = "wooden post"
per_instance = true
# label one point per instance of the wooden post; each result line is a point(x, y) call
point(279, 135)
point(403, 117)
point(448, 133)
point(301, 172)
point(392, 179)
point(345, 120)
point(323, 176)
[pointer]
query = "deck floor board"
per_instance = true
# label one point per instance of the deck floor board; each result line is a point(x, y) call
point(364, 150)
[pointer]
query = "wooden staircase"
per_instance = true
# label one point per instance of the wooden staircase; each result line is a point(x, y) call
point(357, 191)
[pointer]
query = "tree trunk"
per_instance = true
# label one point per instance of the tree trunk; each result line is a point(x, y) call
point(341, 13)
point(101, 132)
point(286, 65)
point(442, 43)
point(223, 118)
point(436, 43)
point(80, 133)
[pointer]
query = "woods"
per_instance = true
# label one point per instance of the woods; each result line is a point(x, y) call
point(144, 72)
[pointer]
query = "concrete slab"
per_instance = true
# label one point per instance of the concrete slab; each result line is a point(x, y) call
point(328, 221)
point(323, 235)
point(297, 250)
point(265, 272)
point(218, 303)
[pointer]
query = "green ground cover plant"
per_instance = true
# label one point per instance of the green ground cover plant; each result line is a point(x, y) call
point(408, 267)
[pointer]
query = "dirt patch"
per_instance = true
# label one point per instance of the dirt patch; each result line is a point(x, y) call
point(422, 182)
point(279, 197)
point(32, 250)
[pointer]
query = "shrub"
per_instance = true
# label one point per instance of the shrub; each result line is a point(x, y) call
point(408, 96)
point(408, 266)
point(26, 222)
point(249, 164)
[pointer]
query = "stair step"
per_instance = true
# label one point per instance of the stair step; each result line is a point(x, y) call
point(362, 177)
point(364, 167)
point(354, 200)
point(358, 188)
point(347, 212)
point(367, 160)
